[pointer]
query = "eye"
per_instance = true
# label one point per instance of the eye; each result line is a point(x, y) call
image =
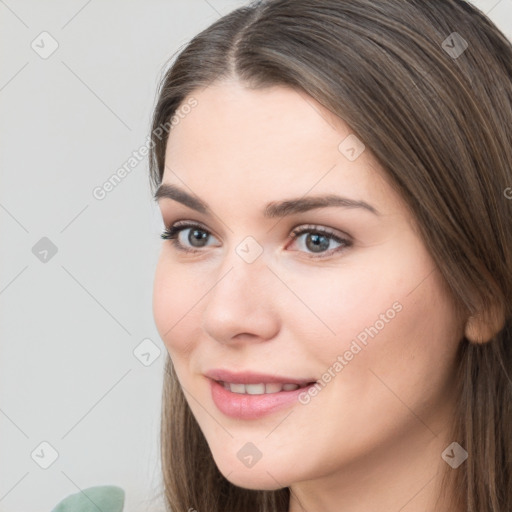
point(318, 239)
point(197, 236)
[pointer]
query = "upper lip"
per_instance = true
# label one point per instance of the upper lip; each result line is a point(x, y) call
point(249, 377)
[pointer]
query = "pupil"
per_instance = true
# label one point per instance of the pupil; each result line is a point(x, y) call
point(315, 245)
point(194, 237)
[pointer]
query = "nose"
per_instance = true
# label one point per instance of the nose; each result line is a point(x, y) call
point(241, 306)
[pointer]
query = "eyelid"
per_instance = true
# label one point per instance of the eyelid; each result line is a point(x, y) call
point(318, 228)
point(174, 229)
point(190, 224)
point(295, 231)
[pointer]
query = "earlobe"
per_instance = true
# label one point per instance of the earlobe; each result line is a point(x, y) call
point(481, 328)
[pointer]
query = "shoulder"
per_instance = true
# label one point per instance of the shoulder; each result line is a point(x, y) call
point(107, 498)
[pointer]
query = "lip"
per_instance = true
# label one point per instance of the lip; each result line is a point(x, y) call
point(250, 407)
point(249, 377)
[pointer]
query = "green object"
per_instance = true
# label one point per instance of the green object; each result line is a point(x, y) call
point(101, 498)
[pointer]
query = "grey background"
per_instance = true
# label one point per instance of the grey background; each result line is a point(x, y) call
point(69, 325)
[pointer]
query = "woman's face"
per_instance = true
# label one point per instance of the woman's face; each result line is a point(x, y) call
point(354, 302)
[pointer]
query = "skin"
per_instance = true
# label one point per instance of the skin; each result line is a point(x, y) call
point(372, 438)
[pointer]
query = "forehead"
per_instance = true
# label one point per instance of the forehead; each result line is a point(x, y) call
point(267, 142)
point(271, 118)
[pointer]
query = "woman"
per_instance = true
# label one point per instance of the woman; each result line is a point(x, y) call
point(404, 106)
point(334, 287)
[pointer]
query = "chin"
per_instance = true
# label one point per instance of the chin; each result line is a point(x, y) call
point(257, 478)
point(255, 482)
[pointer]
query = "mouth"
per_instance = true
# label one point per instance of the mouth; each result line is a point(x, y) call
point(250, 395)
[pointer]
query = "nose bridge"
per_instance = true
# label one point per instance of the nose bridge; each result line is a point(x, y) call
point(240, 300)
point(242, 278)
point(244, 264)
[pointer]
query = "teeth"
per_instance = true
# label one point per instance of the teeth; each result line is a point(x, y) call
point(259, 389)
point(237, 388)
point(290, 387)
point(255, 389)
point(273, 387)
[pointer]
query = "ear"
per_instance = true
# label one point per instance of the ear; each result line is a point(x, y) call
point(482, 327)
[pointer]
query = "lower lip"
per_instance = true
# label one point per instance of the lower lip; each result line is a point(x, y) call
point(250, 407)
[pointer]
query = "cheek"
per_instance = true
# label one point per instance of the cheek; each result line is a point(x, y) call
point(388, 313)
point(407, 351)
point(174, 297)
point(330, 307)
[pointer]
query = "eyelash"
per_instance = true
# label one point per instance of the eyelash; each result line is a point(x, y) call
point(171, 233)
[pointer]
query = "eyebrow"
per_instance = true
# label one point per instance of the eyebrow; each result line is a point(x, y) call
point(273, 209)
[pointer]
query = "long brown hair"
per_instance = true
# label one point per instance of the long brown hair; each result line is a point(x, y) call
point(437, 114)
